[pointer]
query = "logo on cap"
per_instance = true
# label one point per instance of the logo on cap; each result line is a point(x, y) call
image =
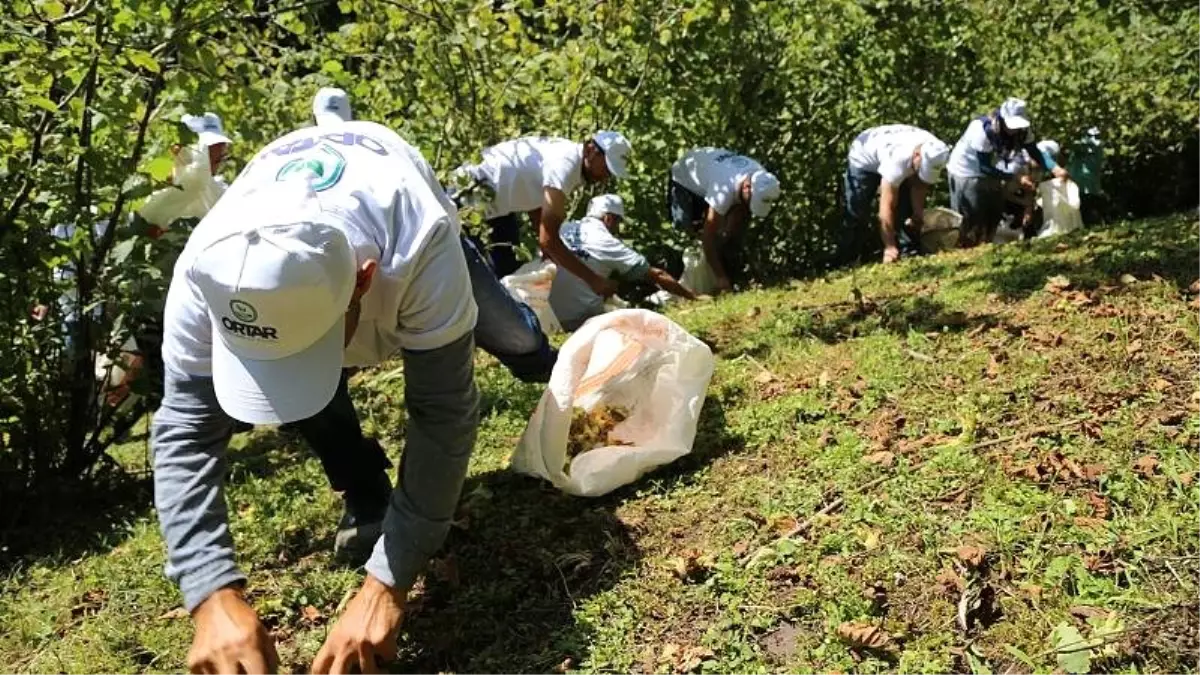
point(243, 310)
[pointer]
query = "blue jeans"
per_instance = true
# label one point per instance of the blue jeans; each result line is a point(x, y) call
point(506, 237)
point(507, 329)
point(858, 221)
point(981, 203)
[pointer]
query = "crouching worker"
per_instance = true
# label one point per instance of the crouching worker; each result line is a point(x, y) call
point(901, 163)
point(329, 250)
point(712, 193)
point(595, 241)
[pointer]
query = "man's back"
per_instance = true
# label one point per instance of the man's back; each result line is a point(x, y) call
point(364, 176)
point(571, 298)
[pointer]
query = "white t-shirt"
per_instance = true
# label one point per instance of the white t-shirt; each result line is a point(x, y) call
point(384, 195)
point(964, 158)
point(521, 169)
point(715, 174)
point(888, 151)
point(572, 300)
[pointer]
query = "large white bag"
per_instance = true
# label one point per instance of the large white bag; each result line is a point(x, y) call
point(531, 284)
point(632, 358)
point(940, 232)
point(1060, 207)
point(698, 276)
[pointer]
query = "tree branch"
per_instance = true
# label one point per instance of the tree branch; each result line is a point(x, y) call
point(73, 14)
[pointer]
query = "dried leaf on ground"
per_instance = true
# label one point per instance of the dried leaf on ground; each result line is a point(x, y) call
point(311, 614)
point(1133, 347)
point(177, 613)
point(1127, 279)
point(765, 377)
point(972, 556)
point(1194, 289)
point(692, 565)
point(864, 635)
point(691, 659)
point(1146, 465)
point(882, 458)
point(825, 439)
point(1092, 472)
point(1057, 283)
point(949, 582)
point(1099, 505)
point(1086, 612)
point(823, 379)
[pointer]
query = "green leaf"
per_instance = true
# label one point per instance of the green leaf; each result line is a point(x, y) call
point(53, 9)
point(143, 59)
point(122, 250)
point(43, 103)
point(1075, 656)
point(160, 167)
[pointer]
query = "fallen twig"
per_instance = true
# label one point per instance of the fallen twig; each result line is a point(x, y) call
point(1028, 432)
point(919, 356)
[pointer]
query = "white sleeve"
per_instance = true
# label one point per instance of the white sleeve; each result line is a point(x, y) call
point(557, 170)
point(603, 247)
point(894, 167)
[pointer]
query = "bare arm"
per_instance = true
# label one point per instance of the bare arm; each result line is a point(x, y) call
point(712, 226)
point(887, 218)
point(667, 283)
point(920, 191)
point(549, 220)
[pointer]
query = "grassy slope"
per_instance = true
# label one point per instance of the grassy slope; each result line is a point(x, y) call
point(944, 353)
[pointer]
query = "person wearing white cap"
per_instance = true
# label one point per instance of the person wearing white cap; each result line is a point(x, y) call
point(900, 162)
point(328, 251)
point(505, 328)
point(536, 175)
point(211, 138)
point(975, 168)
point(331, 106)
point(712, 192)
point(595, 239)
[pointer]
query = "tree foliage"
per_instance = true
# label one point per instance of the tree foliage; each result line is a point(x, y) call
point(96, 89)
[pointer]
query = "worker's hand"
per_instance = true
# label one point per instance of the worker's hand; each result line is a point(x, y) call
point(724, 285)
point(891, 254)
point(229, 637)
point(1060, 172)
point(366, 631)
point(1027, 182)
point(603, 287)
point(39, 312)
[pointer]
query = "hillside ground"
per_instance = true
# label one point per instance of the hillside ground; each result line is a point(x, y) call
point(1007, 433)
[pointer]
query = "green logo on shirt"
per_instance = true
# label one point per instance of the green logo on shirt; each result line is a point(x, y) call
point(323, 166)
point(243, 310)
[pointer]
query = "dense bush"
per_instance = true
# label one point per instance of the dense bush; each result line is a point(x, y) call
point(96, 90)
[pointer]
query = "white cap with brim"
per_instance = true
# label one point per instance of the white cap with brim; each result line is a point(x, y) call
point(604, 204)
point(764, 190)
point(331, 106)
point(207, 127)
point(934, 155)
point(277, 290)
point(1049, 147)
point(1012, 111)
point(616, 150)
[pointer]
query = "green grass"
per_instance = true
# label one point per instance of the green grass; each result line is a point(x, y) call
point(943, 354)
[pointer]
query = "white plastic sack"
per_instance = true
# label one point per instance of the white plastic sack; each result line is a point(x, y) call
point(632, 358)
point(698, 276)
point(1060, 207)
point(195, 191)
point(940, 231)
point(531, 284)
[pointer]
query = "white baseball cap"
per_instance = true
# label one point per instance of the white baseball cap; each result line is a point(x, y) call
point(1049, 147)
point(331, 106)
point(208, 127)
point(616, 150)
point(764, 190)
point(1013, 113)
point(934, 155)
point(606, 204)
point(277, 289)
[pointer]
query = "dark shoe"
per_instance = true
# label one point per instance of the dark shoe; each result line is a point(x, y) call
point(362, 521)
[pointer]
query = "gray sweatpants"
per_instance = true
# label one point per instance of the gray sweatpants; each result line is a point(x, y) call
point(190, 433)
